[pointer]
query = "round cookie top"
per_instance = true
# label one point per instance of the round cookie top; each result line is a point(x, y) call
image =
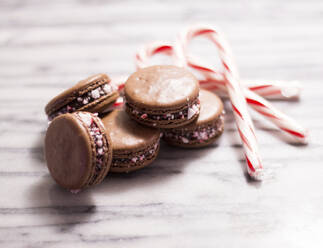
point(127, 135)
point(161, 86)
point(211, 108)
point(68, 152)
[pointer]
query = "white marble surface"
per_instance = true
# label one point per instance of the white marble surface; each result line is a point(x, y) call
point(196, 198)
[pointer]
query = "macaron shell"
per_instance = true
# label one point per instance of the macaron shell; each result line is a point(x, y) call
point(122, 169)
point(66, 145)
point(211, 107)
point(194, 144)
point(78, 89)
point(160, 87)
point(101, 77)
point(127, 135)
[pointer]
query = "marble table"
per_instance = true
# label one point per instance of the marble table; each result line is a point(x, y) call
point(196, 198)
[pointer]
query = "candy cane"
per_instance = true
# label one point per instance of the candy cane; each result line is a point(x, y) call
point(271, 90)
point(262, 106)
point(118, 82)
point(275, 89)
point(143, 54)
point(238, 101)
point(214, 81)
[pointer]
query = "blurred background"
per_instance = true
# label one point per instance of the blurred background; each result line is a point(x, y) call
point(196, 199)
point(60, 41)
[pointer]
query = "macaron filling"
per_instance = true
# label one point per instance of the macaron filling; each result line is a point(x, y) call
point(83, 100)
point(200, 134)
point(139, 158)
point(186, 113)
point(98, 138)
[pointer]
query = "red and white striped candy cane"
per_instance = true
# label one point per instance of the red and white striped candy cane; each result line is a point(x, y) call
point(145, 53)
point(238, 101)
point(214, 81)
point(262, 106)
point(270, 90)
point(118, 82)
point(275, 89)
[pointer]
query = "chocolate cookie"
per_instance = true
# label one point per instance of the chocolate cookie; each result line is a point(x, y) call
point(78, 150)
point(162, 96)
point(204, 130)
point(93, 94)
point(134, 146)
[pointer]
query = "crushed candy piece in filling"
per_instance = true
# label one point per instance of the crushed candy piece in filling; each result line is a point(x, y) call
point(192, 111)
point(84, 99)
point(201, 134)
point(187, 113)
point(138, 158)
point(97, 137)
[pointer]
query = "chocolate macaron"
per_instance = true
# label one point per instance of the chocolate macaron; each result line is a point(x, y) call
point(78, 150)
point(134, 146)
point(93, 94)
point(205, 129)
point(162, 96)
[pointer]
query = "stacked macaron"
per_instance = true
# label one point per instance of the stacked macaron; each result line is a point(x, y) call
point(82, 147)
point(168, 97)
point(162, 96)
